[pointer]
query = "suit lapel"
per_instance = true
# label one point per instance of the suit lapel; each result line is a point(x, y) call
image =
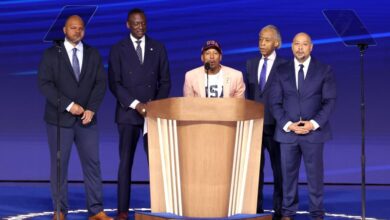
point(292, 77)
point(226, 84)
point(65, 58)
point(129, 52)
point(149, 50)
point(271, 74)
point(201, 83)
point(85, 62)
point(309, 76)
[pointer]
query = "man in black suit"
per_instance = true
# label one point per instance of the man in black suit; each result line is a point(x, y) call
point(72, 79)
point(138, 72)
point(260, 72)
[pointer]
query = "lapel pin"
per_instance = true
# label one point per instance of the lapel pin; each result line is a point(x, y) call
point(151, 49)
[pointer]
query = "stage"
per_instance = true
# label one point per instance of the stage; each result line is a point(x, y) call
point(32, 201)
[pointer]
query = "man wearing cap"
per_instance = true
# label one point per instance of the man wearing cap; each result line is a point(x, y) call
point(213, 80)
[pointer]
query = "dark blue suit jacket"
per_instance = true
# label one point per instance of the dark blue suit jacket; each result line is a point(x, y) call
point(316, 101)
point(253, 92)
point(130, 80)
point(55, 72)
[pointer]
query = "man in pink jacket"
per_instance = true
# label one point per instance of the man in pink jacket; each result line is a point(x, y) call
point(213, 80)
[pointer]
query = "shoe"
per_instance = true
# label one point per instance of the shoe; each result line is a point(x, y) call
point(287, 218)
point(122, 216)
point(100, 216)
point(62, 216)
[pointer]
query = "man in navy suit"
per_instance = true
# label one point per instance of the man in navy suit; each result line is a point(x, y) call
point(302, 99)
point(138, 72)
point(260, 72)
point(72, 79)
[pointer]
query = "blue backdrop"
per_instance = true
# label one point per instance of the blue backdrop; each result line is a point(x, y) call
point(184, 26)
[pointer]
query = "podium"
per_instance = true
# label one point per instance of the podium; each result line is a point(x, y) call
point(204, 156)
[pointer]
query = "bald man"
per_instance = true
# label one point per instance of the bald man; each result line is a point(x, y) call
point(303, 96)
point(72, 79)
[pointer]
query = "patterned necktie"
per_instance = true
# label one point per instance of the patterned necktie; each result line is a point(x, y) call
point(75, 64)
point(263, 75)
point(301, 78)
point(139, 50)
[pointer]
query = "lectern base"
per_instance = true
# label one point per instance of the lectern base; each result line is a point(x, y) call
point(168, 216)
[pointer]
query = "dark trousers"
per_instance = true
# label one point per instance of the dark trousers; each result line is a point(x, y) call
point(128, 138)
point(312, 154)
point(86, 139)
point(273, 149)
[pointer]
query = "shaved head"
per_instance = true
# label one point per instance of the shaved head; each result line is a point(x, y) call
point(74, 29)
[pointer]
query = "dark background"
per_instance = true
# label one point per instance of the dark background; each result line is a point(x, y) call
point(184, 26)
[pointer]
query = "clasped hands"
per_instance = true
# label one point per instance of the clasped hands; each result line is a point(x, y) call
point(86, 115)
point(301, 127)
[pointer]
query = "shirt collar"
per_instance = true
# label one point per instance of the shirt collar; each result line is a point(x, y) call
point(305, 64)
point(272, 56)
point(68, 46)
point(133, 39)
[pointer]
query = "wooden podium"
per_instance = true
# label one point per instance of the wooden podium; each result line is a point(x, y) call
point(204, 156)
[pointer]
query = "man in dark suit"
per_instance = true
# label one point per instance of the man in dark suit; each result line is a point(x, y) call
point(303, 96)
point(138, 72)
point(72, 79)
point(260, 72)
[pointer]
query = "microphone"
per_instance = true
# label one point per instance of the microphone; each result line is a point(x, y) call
point(207, 68)
point(58, 44)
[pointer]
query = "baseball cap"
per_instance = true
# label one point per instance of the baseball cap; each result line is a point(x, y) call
point(211, 44)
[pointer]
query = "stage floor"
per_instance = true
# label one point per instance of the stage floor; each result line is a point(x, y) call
point(32, 201)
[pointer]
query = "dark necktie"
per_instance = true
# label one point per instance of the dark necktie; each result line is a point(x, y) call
point(139, 51)
point(301, 78)
point(75, 64)
point(263, 75)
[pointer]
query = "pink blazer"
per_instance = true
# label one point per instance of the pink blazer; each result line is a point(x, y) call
point(233, 83)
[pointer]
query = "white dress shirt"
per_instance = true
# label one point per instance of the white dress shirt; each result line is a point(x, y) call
point(79, 53)
point(270, 62)
point(305, 68)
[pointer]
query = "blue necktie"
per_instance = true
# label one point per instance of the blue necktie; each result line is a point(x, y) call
point(75, 64)
point(301, 78)
point(263, 75)
point(139, 51)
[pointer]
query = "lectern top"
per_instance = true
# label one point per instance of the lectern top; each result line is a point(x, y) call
point(205, 109)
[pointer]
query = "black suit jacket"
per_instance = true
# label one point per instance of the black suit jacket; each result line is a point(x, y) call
point(129, 80)
point(55, 76)
point(253, 92)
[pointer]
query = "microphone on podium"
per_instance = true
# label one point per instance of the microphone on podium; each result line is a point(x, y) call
point(207, 68)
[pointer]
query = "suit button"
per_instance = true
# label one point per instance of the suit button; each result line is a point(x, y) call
point(149, 86)
point(130, 72)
